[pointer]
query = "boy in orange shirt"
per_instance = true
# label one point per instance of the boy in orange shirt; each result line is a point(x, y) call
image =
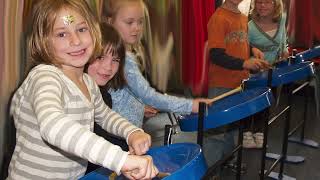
point(229, 53)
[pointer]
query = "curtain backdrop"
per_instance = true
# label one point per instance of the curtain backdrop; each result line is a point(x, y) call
point(10, 60)
point(304, 23)
point(195, 16)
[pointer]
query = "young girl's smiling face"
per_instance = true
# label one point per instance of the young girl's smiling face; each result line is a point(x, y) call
point(104, 68)
point(71, 39)
point(265, 8)
point(128, 21)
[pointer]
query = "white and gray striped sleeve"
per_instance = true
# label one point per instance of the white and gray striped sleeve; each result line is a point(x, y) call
point(59, 130)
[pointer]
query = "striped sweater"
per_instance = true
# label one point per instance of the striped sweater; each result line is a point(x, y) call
point(54, 123)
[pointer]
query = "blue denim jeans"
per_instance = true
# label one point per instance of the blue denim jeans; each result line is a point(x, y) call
point(216, 145)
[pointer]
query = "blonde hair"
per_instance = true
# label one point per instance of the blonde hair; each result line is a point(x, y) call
point(278, 10)
point(110, 10)
point(43, 19)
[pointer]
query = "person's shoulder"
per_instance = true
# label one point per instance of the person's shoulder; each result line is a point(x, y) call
point(130, 56)
point(43, 70)
point(243, 16)
point(219, 12)
point(283, 18)
point(217, 16)
point(44, 67)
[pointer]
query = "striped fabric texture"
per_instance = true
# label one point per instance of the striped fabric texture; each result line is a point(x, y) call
point(54, 123)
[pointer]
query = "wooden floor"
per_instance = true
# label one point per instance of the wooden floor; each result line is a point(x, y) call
point(309, 170)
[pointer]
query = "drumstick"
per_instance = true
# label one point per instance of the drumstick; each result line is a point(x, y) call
point(238, 89)
point(162, 175)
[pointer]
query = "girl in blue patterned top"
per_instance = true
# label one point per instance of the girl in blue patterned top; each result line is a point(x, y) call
point(127, 16)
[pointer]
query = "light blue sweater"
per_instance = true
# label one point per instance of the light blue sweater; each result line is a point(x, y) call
point(128, 101)
point(272, 47)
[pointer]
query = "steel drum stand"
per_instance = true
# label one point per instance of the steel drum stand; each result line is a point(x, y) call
point(302, 140)
point(238, 149)
point(303, 56)
point(211, 170)
point(283, 158)
point(268, 173)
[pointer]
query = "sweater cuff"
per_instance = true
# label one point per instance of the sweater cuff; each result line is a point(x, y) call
point(115, 158)
point(127, 139)
point(121, 163)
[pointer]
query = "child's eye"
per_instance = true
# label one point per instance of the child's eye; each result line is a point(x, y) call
point(140, 22)
point(129, 22)
point(61, 34)
point(100, 57)
point(116, 59)
point(84, 29)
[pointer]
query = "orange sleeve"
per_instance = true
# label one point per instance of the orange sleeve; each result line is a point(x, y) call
point(216, 32)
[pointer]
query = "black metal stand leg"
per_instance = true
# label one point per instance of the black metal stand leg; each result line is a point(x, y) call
point(239, 157)
point(202, 108)
point(283, 156)
point(285, 137)
point(287, 159)
point(265, 142)
point(302, 140)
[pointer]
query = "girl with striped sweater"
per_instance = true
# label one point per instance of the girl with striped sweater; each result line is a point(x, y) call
point(55, 107)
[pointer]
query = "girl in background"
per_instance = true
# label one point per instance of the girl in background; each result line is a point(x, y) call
point(108, 72)
point(267, 32)
point(127, 17)
point(56, 105)
point(267, 29)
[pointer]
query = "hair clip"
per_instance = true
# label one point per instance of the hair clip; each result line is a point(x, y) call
point(68, 19)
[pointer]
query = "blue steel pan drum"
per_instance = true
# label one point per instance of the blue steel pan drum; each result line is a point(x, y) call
point(180, 160)
point(230, 109)
point(283, 73)
point(308, 54)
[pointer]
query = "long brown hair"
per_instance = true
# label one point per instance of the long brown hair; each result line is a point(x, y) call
point(111, 39)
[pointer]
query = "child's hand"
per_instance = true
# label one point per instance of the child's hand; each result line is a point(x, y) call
point(139, 167)
point(257, 53)
point(139, 142)
point(195, 103)
point(256, 64)
point(284, 56)
point(150, 111)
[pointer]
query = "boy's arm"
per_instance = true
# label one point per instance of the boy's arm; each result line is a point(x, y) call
point(217, 30)
point(219, 57)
